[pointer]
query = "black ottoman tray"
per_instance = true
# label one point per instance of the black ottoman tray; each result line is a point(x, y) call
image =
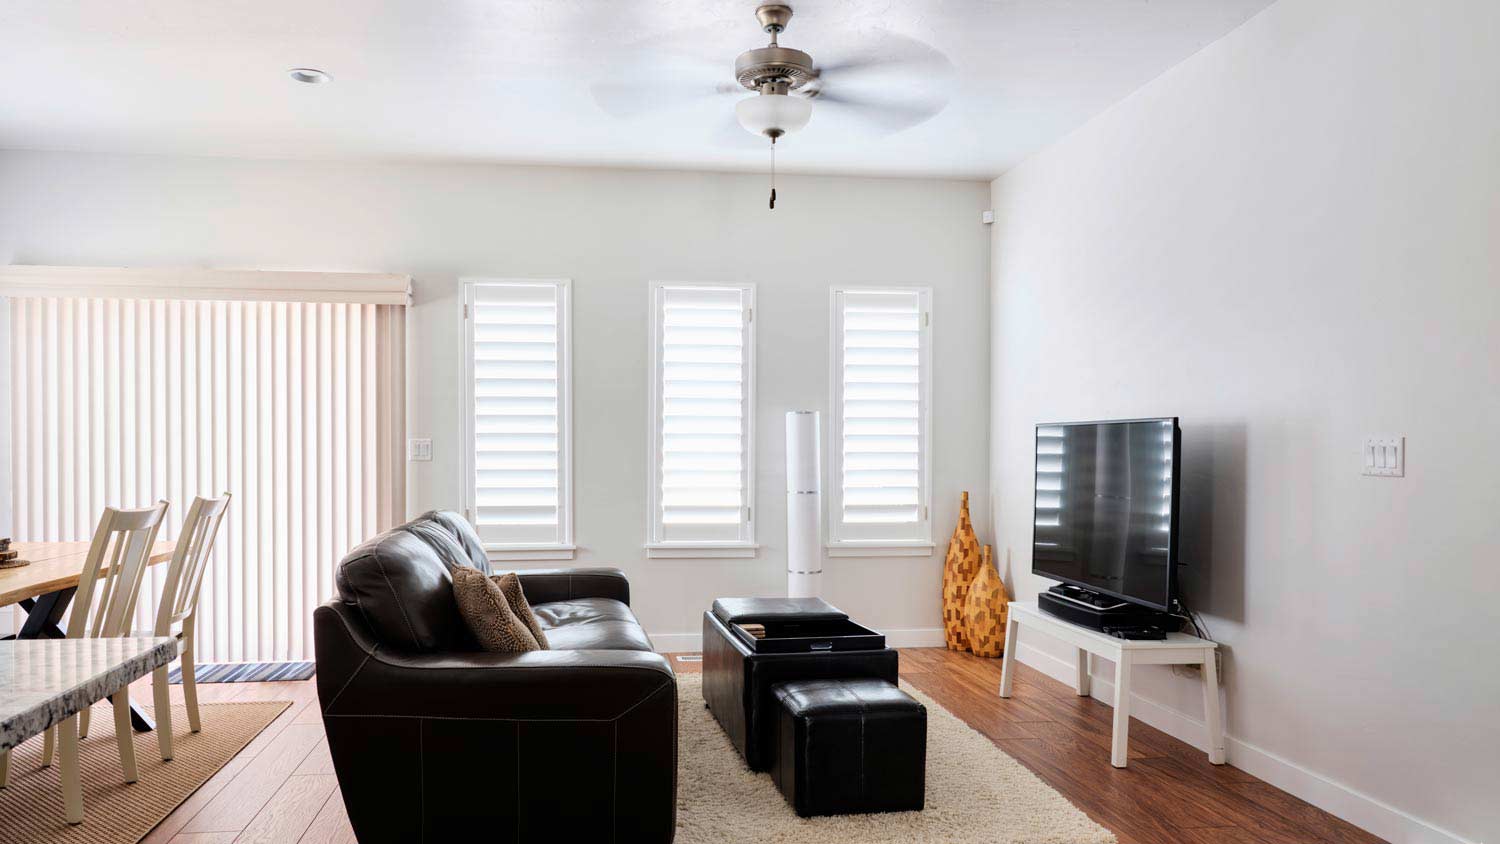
point(805, 639)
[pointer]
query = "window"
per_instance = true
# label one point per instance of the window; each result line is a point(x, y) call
point(519, 374)
point(702, 421)
point(880, 375)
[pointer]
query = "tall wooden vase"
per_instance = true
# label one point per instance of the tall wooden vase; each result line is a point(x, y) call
point(985, 610)
point(959, 569)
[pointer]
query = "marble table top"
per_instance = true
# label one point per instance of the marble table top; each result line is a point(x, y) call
point(43, 681)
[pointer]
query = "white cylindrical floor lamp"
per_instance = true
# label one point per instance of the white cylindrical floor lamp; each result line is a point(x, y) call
point(804, 505)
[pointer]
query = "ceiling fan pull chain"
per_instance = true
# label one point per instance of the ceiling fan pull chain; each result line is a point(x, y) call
point(773, 174)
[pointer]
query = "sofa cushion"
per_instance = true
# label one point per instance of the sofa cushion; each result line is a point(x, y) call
point(488, 613)
point(581, 611)
point(600, 635)
point(404, 591)
point(598, 623)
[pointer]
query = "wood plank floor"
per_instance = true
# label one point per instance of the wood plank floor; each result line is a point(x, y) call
point(281, 788)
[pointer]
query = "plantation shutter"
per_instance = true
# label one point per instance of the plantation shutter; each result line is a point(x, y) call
point(1051, 455)
point(880, 374)
point(702, 415)
point(518, 365)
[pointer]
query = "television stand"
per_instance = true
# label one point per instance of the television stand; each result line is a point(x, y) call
point(1175, 649)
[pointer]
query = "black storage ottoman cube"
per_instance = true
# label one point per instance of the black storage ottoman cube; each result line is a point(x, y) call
point(806, 639)
point(849, 746)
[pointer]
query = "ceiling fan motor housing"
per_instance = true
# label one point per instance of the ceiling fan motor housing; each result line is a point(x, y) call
point(784, 65)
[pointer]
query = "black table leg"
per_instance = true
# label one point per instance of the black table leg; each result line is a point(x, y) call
point(138, 719)
point(44, 613)
point(42, 617)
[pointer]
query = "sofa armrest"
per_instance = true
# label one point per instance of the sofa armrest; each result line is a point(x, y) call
point(358, 677)
point(545, 585)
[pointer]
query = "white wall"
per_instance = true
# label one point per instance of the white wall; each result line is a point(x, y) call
point(611, 231)
point(1292, 241)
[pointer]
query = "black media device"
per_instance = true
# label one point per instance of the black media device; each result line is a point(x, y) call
point(1105, 523)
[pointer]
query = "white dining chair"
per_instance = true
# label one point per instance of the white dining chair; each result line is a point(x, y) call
point(103, 606)
point(177, 613)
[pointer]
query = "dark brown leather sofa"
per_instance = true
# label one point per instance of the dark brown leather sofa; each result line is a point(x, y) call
point(434, 740)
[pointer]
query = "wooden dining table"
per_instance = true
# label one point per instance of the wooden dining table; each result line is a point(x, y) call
point(45, 588)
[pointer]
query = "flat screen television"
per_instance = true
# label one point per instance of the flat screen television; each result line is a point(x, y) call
point(1105, 514)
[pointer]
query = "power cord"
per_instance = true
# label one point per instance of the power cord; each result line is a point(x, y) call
point(1200, 629)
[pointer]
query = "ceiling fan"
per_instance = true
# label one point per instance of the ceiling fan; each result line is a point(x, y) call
point(866, 86)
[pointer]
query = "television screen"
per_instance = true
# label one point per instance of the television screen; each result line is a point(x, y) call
point(1106, 507)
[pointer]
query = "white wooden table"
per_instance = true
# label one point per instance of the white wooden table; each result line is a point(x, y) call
point(1176, 649)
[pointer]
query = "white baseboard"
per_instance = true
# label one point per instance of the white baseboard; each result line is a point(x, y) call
point(1362, 810)
point(911, 637)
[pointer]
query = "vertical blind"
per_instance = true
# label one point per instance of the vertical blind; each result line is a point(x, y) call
point(702, 414)
point(880, 415)
point(293, 407)
point(518, 366)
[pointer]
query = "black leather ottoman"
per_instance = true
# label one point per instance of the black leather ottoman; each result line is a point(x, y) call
point(846, 747)
point(738, 674)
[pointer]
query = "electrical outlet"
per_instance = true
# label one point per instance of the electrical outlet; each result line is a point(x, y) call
point(1384, 457)
point(419, 451)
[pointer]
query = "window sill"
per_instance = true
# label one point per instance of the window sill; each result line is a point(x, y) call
point(516, 553)
point(880, 549)
point(691, 551)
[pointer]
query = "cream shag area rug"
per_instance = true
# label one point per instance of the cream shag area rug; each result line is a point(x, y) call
point(975, 793)
point(114, 812)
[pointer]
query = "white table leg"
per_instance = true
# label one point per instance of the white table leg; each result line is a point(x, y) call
point(67, 753)
point(1083, 673)
point(125, 736)
point(1211, 713)
point(1121, 742)
point(1008, 664)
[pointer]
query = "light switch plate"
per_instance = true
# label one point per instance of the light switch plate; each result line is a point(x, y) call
point(419, 450)
point(1384, 457)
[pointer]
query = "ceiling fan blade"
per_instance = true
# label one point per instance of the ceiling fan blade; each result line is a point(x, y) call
point(632, 99)
point(885, 51)
point(885, 115)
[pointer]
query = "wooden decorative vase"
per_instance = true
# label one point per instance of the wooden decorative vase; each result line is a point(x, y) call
point(985, 610)
point(959, 569)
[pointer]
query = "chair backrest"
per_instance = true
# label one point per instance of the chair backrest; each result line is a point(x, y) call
point(195, 543)
point(113, 571)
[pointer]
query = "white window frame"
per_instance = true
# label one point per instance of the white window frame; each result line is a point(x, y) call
point(839, 544)
point(564, 548)
point(656, 547)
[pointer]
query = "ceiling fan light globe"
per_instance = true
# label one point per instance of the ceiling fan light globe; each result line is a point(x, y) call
point(773, 115)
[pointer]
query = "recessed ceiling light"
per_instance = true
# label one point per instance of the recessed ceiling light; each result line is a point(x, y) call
point(311, 76)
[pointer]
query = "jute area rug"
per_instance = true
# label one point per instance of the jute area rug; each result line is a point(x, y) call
point(975, 793)
point(31, 810)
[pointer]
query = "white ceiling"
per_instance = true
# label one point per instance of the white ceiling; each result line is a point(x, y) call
point(512, 80)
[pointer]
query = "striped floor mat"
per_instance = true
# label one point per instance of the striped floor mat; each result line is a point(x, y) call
point(246, 672)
